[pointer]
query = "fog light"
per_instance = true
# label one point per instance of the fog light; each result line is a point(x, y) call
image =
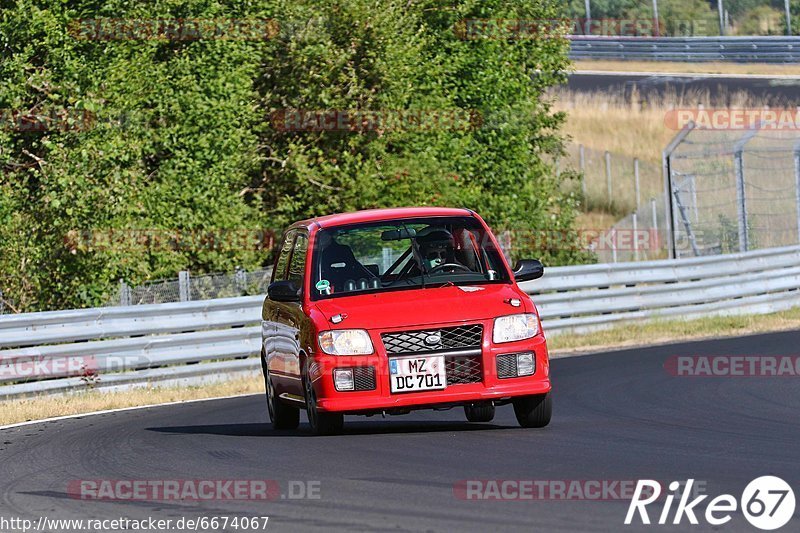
point(526, 364)
point(343, 379)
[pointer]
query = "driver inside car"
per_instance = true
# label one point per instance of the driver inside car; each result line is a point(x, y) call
point(436, 248)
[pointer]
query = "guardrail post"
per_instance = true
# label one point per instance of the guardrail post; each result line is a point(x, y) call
point(183, 286)
point(124, 293)
point(2, 303)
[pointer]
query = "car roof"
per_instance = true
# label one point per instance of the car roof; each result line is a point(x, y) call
point(377, 215)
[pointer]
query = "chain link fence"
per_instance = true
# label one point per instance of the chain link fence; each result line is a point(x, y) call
point(630, 190)
point(612, 182)
point(189, 288)
point(733, 190)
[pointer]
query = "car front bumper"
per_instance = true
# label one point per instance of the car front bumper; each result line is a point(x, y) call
point(488, 387)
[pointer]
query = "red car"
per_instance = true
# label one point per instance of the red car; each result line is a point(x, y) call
point(390, 310)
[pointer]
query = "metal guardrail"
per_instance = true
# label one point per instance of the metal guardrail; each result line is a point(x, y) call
point(737, 49)
point(198, 342)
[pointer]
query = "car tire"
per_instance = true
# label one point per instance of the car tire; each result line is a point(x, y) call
point(479, 412)
point(534, 411)
point(282, 416)
point(321, 423)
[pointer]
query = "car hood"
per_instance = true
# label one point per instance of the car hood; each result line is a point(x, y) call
point(420, 307)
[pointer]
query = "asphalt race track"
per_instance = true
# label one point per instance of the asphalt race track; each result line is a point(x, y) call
point(617, 416)
point(772, 91)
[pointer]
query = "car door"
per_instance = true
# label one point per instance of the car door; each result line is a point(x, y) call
point(284, 320)
point(277, 340)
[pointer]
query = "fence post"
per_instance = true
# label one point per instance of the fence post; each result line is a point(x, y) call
point(666, 169)
point(582, 163)
point(797, 186)
point(613, 245)
point(654, 234)
point(636, 181)
point(240, 279)
point(183, 286)
point(608, 175)
point(124, 293)
point(741, 205)
point(635, 237)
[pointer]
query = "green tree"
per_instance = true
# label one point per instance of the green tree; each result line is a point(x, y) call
point(181, 136)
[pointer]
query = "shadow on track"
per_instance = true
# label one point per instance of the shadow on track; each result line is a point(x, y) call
point(350, 428)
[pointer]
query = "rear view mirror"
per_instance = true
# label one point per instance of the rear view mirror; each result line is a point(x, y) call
point(528, 269)
point(398, 234)
point(283, 291)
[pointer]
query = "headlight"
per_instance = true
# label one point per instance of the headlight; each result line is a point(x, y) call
point(345, 342)
point(515, 328)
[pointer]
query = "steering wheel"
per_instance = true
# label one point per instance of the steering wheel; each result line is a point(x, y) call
point(454, 266)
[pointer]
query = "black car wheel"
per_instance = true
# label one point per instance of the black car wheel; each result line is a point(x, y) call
point(479, 412)
point(534, 411)
point(322, 423)
point(282, 416)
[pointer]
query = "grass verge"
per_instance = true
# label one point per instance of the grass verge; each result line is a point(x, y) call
point(689, 68)
point(656, 331)
point(665, 331)
point(22, 410)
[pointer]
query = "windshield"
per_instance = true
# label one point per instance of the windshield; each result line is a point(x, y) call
point(403, 254)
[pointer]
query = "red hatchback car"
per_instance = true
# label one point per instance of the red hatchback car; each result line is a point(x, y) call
point(390, 310)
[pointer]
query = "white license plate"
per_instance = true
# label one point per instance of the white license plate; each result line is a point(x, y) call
point(410, 374)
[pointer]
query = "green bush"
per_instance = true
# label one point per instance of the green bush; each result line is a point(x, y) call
point(182, 136)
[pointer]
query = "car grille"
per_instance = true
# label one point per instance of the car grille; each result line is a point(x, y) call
point(507, 365)
point(463, 370)
point(364, 378)
point(459, 367)
point(419, 341)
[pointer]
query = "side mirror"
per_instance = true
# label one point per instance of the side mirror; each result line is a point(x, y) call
point(528, 269)
point(283, 291)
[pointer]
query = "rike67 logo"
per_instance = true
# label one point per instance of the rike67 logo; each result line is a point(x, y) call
point(767, 502)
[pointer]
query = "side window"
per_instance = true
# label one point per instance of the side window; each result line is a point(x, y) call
point(283, 257)
point(297, 266)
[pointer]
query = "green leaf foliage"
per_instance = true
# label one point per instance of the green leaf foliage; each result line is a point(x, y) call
point(184, 138)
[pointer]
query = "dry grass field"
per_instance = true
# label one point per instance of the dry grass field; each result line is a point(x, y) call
point(628, 127)
point(690, 68)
